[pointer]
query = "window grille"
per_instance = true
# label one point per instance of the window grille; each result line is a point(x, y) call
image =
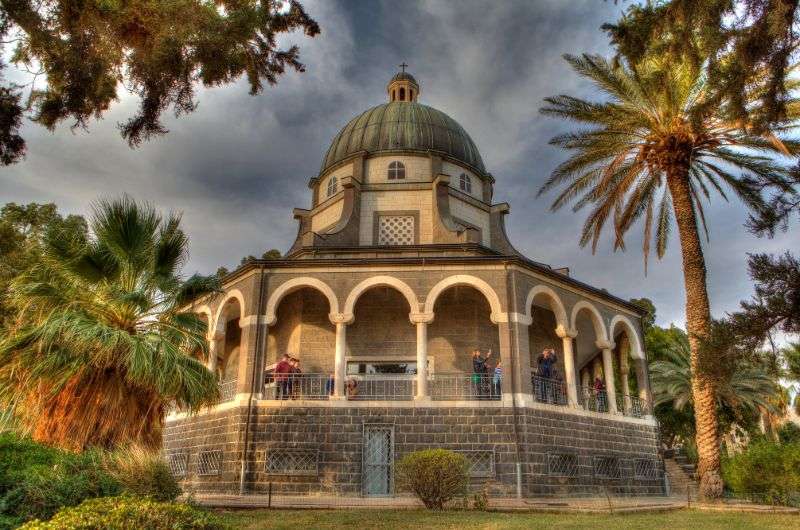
point(465, 183)
point(178, 463)
point(606, 467)
point(481, 463)
point(562, 465)
point(397, 171)
point(333, 186)
point(281, 461)
point(645, 468)
point(209, 462)
point(396, 230)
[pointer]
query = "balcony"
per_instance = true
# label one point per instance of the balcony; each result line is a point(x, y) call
point(464, 387)
point(380, 387)
point(552, 391)
point(298, 386)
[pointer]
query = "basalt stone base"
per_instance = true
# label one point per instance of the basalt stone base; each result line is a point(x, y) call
point(351, 450)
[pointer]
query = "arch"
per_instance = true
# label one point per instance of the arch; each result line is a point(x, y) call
point(293, 285)
point(465, 279)
point(597, 319)
point(205, 310)
point(230, 295)
point(630, 330)
point(556, 305)
point(378, 281)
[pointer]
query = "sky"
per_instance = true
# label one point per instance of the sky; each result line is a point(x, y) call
point(239, 164)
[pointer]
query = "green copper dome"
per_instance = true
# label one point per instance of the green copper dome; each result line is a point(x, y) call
point(404, 126)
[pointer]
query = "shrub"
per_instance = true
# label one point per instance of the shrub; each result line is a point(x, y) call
point(434, 475)
point(143, 472)
point(128, 512)
point(37, 480)
point(789, 433)
point(765, 472)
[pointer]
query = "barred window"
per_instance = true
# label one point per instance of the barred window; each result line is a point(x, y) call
point(606, 467)
point(333, 186)
point(286, 461)
point(562, 465)
point(465, 183)
point(397, 171)
point(209, 462)
point(645, 468)
point(178, 463)
point(481, 463)
point(396, 230)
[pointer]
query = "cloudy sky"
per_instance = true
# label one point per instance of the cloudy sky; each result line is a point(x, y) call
point(239, 164)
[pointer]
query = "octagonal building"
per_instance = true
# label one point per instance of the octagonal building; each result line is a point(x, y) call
point(401, 269)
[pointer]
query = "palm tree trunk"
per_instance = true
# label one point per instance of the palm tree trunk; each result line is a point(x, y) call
point(698, 325)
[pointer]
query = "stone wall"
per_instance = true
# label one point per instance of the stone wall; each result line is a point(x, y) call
point(335, 436)
point(381, 327)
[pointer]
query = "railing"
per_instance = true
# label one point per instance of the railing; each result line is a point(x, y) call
point(298, 386)
point(227, 390)
point(594, 400)
point(464, 387)
point(546, 390)
point(632, 406)
point(380, 387)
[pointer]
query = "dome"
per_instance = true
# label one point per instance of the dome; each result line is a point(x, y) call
point(404, 126)
point(403, 76)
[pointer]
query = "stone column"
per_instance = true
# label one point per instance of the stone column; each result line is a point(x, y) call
point(624, 370)
point(506, 386)
point(569, 364)
point(213, 353)
point(644, 385)
point(247, 353)
point(421, 320)
point(341, 321)
point(608, 372)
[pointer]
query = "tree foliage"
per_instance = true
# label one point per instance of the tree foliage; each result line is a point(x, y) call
point(101, 348)
point(158, 50)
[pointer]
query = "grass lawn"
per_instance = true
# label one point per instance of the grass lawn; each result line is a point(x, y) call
point(420, 519)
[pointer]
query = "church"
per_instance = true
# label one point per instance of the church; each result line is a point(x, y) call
point(403, 318)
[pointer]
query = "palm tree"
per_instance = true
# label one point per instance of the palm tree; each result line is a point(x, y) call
point(102, 348)
point(651, 152)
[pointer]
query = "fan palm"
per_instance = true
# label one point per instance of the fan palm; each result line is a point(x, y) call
point(102, 348)
point(652, 151)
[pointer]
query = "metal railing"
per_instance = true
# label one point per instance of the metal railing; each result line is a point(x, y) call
point(546, 390)
point(298, 386)
point(594, 400)
point(227, 390)
point(380, 387)
point(632, 406)
point(464, 387)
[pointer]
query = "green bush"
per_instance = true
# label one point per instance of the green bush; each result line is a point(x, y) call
point(434, 475)
point(765, 472)
point(128, 513)
point(37, 480)
point(789, 433)
point(143, 472)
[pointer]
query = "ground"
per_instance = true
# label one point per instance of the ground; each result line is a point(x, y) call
point(390, 519)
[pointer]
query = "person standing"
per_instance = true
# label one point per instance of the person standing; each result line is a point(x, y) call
point(282, 371)
point(497, 379)
point(479, 372)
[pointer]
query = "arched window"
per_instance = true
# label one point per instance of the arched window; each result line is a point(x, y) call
point(402, 94)
point(333, 186)
point(397, 171)
point(465, 183)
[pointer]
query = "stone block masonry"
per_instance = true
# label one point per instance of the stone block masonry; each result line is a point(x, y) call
point(562, 454)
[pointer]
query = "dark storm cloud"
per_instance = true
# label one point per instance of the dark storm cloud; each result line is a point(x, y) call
point(238, 165)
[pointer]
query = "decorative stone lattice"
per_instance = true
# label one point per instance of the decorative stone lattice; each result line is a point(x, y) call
point(481, 463)
point(209, 462)
point(562, 465)
point(644, 468)
point(292, 462)
point(178, 463)
point(396, 230)
point(606, 467)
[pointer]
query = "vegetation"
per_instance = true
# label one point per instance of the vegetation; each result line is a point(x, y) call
point(124, 513)
point(652, 152)
point(158, 51)
point(435, 476)
point(766, 472)
point(401, 519)
point(102, 347)
point(37, 480)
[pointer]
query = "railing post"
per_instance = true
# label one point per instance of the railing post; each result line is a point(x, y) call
point(569, 364)
point(421, 320)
